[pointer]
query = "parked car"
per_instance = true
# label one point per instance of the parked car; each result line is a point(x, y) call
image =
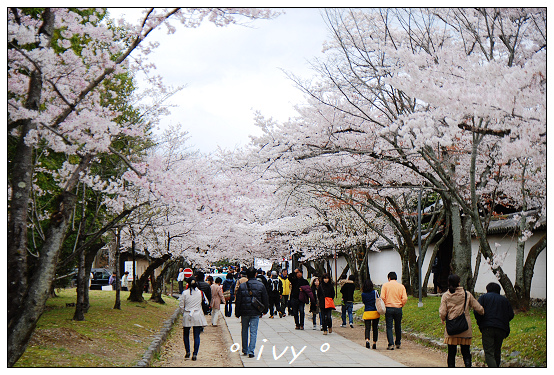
point(100, 278)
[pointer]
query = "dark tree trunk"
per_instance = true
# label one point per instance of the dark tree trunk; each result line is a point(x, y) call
point(117, 304)
point(136, 290)
point(82, 284)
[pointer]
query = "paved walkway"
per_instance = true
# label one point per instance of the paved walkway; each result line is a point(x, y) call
point(280, 345)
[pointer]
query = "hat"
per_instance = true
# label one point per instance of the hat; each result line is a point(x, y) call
point(273, 273)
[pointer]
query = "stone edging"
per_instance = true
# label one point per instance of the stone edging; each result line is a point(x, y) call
point(159, 340)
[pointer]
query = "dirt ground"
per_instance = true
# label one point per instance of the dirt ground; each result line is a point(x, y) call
point(214, 348)
point(215, 341)
point(411, 353)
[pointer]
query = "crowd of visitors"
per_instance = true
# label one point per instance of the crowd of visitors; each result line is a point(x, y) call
point(255, 294)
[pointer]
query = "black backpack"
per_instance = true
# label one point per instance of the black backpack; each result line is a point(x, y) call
point(275, 285)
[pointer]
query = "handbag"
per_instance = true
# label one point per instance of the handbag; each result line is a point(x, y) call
point(458, 324)
point(227, 295)
point(255, 301)
point(205, 304)
point(380, 304)
point(329, 303)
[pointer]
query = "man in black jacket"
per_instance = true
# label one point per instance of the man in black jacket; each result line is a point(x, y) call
point(245, 308)
point(347, 291)
point(495, 323)
point(204, 287)
point(296, 281)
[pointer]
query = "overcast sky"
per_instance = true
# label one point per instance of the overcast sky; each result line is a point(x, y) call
point(230, 72)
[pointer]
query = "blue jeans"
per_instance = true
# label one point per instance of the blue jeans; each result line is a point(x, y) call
point(347, 307)
point(314, 318)
point(196, 333)
point(249, 323)
point(394, 315)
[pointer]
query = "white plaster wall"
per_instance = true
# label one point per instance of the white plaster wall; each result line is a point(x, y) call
point(383, 262)
point(508, 246)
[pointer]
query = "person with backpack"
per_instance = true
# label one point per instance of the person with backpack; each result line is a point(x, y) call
point(229, 290)
point(274, 291)
point(251, 303)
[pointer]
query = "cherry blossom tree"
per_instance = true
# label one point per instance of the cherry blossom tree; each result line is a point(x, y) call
point(401, 86)
point(58, 60)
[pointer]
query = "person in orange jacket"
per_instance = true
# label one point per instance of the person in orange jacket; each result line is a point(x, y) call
point(394, 295)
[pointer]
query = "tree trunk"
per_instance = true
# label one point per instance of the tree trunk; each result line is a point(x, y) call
point(524, 291)
point(117, 304)
point(82, 284)
point(461, 249)
point(405, 280)
point(33, 303)
point(136, 290)
point(156, 288)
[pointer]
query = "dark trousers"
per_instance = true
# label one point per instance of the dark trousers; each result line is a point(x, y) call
point(181, 287)
point(492, 339)
point(453, 350)
point(229, 306)
point(274, 302)
point(285, 305)
point(371, 324)
point(196, 333)
point(326, 319)
point(394, 316)
point(298, 311)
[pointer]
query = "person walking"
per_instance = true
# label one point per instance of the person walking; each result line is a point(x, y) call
point(314, 305)
point(274, 291)
point(454, 302)
point(347, 291)
point(394, 296)
point(125, 281)
point(180, 280)
point(248, 295)
point(217, 300)
point(229, 288)
point(285, 302)
point(190, 303)
point(371, 316)
point(326, 290)
point(242, 279)
point(297, 281)
point(495, 323)
point(204, 287)
point(112, 279)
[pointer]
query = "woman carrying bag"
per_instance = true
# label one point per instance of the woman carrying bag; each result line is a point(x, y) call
point(326, 303)
point(455, 302)
point(371, 316)
point(193, 316)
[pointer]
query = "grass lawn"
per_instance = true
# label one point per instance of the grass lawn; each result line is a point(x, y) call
point(107, 337)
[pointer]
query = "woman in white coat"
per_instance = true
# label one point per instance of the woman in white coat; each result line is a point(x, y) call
point(193, 316)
